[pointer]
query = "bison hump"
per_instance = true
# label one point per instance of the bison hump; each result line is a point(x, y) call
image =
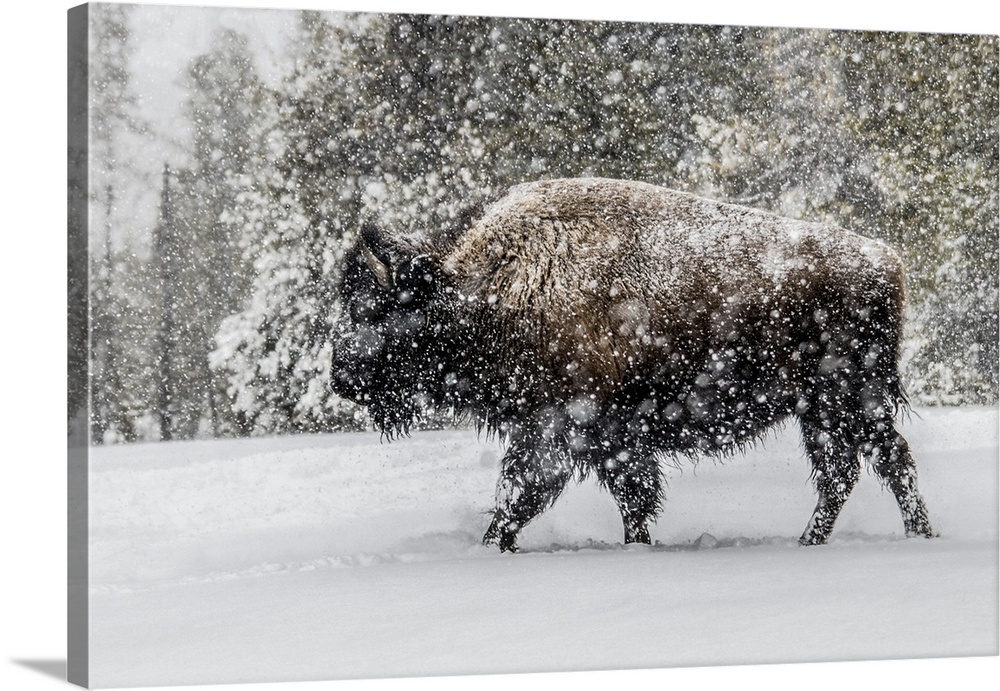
point(599, 270)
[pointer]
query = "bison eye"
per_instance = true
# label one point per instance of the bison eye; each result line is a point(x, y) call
point(416, 281)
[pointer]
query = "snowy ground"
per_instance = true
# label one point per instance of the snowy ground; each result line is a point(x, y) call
point(340, 557)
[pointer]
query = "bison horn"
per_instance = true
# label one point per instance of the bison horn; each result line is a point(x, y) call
point(373, 247)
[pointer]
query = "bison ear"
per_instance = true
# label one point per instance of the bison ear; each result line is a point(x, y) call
point(375, 249)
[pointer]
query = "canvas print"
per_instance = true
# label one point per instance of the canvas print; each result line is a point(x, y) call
point(409, 345)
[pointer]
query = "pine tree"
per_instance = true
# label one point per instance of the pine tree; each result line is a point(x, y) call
point(112, 119)
point(417, 82)
point(569, 98)
point(199, 251)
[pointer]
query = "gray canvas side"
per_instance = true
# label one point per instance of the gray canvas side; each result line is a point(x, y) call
point(77, 404)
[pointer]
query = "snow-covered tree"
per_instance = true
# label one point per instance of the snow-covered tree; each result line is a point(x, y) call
point(78, 298)
point(776, 136)
point(416, 82)
point(925, 109)
point(226, 98)
point(296, 212)
point(892, 135)
point(566, 98)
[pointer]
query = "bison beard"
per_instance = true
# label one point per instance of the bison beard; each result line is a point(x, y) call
point(599, 325)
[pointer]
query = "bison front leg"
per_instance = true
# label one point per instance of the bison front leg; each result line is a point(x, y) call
point(636, 485)
point(530, 482)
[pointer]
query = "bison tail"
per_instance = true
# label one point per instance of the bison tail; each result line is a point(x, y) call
point(881, 360)
point(895, 399)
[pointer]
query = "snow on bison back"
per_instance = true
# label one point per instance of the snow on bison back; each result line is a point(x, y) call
point(599, 325)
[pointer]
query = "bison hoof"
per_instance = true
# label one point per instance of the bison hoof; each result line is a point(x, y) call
point(639, 536)
point(506, 543)
point(504, 539)
point(809, 540)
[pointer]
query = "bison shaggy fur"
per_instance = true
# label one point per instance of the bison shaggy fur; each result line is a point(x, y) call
point(599, 326)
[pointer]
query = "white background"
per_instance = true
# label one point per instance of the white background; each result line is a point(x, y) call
point(32, 227)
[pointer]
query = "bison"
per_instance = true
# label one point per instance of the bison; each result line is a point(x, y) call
point(597, 326)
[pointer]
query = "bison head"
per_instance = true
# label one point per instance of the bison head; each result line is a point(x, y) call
point(391, 340)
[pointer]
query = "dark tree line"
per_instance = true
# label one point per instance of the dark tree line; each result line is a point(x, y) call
point(407, 120)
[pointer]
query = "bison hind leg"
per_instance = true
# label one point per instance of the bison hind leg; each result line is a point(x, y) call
point(836, 468)
point(836, 443)
point(888, 453)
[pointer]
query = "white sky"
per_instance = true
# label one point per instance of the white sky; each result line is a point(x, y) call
point(166, 38)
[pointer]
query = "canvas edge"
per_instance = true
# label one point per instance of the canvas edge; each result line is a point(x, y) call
point(78, 331)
